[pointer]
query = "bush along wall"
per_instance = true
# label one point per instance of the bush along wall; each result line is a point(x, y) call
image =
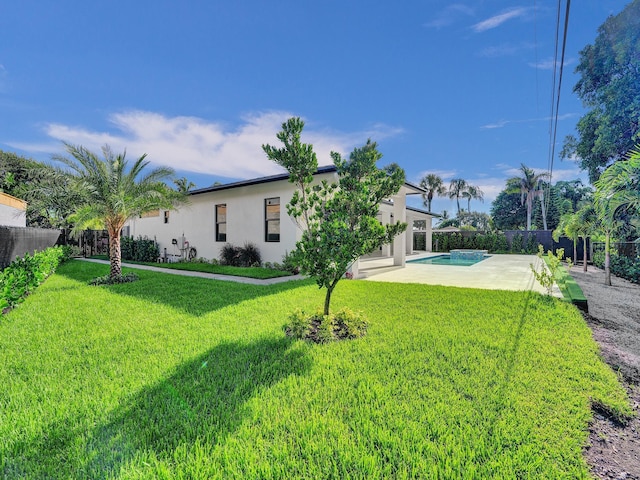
point(621, 266)
point(24, 274)
point(493, 242)
point(139, 249)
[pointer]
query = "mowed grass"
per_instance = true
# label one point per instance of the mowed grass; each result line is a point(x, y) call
point(175, 377)
point(251, 272)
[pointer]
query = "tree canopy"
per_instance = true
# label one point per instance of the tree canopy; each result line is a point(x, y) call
point(609, 86)
point(48, 191)
point(340, 218)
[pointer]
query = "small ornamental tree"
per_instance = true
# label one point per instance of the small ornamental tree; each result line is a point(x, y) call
point(340, 218)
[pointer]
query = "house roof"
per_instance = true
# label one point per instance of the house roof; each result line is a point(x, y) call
point(257, 181)
point(419, 210)
point(410, 188)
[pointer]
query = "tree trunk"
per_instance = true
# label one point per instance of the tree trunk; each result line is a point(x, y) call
point(115, 258)
point(529, 208)
point(575, 252)
point(584, 253)
point(607, 261)
point(327, 298)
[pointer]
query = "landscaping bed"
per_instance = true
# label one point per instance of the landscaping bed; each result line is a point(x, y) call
point(614, 318)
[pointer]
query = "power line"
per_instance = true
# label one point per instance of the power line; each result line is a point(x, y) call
point(555, 108)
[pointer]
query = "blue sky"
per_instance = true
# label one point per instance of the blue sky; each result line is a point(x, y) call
point(460, 89)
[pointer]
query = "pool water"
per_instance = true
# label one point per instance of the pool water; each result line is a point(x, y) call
point(446, 260)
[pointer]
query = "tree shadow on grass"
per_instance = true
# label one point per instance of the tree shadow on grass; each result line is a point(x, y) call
point(195, 296)
point(203, 401)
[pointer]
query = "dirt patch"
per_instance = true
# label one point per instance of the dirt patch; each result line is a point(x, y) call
point(613, 451)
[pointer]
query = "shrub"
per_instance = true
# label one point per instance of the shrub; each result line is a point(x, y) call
point(532, 244)
point(517, 243)
point(621, 266)
point(139, 250)
point(108, 280)
point(289, 264)
point(247, 256)
point(319, 328)
point(229, 254)
point(545, 276)
point(24, 274)
point(250, 256)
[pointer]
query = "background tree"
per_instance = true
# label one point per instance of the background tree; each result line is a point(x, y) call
point(456, 189)
point(184, 185)
point(48, 191)
point(529, 187)
point(476, 220)
point(115, 194)
point(507, 211)
point(472, 193)
point(608, 86)
point(434, 185)
point(342, 224)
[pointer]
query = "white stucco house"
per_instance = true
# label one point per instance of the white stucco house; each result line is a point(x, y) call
point(255, 211)
point(13, 211)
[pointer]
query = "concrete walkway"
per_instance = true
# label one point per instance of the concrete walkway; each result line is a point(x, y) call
point(498, 272)
point(210, 276)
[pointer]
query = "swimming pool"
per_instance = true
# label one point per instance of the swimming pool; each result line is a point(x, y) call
point(446, 260)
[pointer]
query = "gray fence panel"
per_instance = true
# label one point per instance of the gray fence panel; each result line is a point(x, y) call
point(16, 241)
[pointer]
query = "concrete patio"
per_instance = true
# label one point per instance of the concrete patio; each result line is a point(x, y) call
point(498, 272)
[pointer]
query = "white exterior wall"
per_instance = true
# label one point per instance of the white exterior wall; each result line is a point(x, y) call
point(245, 221)
point(13, 212)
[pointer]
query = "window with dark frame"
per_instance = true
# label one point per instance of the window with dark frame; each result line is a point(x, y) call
point(221, 222)
point(272, 219)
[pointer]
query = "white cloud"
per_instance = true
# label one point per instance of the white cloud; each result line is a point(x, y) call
point(505, 49)
point(549, 63)
point(503, 123)
point(449, 15)
point(499, 19)
point(203, 146)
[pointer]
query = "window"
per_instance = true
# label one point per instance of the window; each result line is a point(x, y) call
point(166, 216)
point(272, 219)
point(221, 222)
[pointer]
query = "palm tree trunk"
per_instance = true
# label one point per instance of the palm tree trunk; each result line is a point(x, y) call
point(607, 260)
point(575, 251)
point(529, 208)
point(458, 202)
point(584, 253)
point(115, 256)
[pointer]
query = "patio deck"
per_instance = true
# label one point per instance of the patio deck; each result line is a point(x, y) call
point(498, 272)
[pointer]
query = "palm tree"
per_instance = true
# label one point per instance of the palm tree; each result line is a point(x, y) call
point(183, 185)
point(617, 189)
point(528, 185)
point(456, 189)
point(587, 225)
point(114, 195)
point(434, 185)
point(472, 193)
point(569, 227)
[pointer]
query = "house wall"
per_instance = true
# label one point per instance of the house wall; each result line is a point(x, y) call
point(245, 221)
point(13, 212)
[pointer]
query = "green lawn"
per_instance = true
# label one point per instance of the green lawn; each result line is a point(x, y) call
point(251, 272)
point(175, 377)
